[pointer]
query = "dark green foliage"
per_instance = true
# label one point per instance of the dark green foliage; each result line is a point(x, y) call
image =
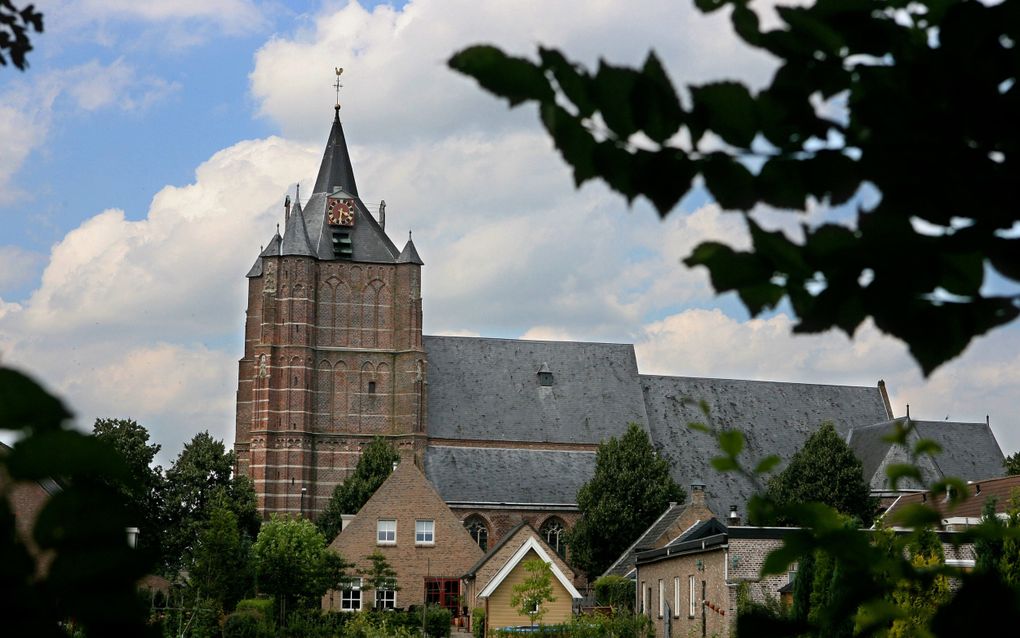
point(222, 567)
point(92, 574)
point(630, 488)
point(380, 576)
point(988, 548)
point(15, 25)
point(619, 625)
point(1012, 464)
point(478, 622)
point(374, 466)
point(143, 489)
point(242, 624)
point(615, 591)
point(930, 104)
point(824, 470)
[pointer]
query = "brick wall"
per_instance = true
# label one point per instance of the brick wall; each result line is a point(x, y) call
point(710, 590)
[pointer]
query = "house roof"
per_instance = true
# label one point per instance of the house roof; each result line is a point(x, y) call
point(501, 475)
point(776, 418)
point(625, 562)
point(488, 389)
point(979, 492)
point(495, 548)
point(531, 544)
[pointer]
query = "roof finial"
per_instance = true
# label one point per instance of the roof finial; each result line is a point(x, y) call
point(408, 235)
point(297, 194)
point(339, 70)
point(277, 229)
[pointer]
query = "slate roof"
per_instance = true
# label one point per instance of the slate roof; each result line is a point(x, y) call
point(295, 236)
point(335, 169)
point(776, 418)
point(271, 250)
point(368, 240)
point(500, 475)
point(488, 389)
point(409, 255)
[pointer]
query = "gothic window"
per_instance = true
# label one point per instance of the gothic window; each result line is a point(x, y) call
point(479, 531)
point(554, 534)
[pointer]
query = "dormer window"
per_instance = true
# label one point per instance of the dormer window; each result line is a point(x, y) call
point(545, 375)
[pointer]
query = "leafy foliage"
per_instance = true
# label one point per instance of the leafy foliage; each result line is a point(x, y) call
point(614, 591)
point(222, 567)
point(15, 25)
point(825, 470)
point(380, 576)
point(531, 594)
point(928, 98)
point(630, 488)
point(76, 572)
point(374, 465)
point(919, 599)
point(1012, 464)
point(292, 563)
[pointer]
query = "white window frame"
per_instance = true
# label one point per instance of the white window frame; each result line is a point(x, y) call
point(662, 599)
point(644, 599)
point(350, 595)
point(692, 595)
point(425, 531)
point(385, 533)
point(388, 597)
point(676, 597)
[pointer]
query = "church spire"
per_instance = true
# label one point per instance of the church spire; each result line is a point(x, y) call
point(335, 170)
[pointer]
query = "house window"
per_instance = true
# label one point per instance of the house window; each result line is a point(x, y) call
point(691, 596)
point(662, 598)
point(350, 596)
point(676, 597)
point(644, 598)
point(386, 532)
point(424, 532)
point(479, 531)
point(385, 599)
point(554, 533)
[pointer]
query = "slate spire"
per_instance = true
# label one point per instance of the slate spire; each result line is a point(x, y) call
point(335, 170)
point(409, 255)
point(295, 236)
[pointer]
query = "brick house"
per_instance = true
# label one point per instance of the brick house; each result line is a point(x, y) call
point(960, 516)
point(423, 541)
point(690, 586)
point(506, 430)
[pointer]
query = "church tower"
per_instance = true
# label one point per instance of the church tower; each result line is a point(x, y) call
point(333, 348)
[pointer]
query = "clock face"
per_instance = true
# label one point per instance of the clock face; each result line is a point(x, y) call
point(340, 212)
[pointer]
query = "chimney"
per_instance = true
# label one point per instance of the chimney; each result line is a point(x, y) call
point(733, 519)
point(698, 493)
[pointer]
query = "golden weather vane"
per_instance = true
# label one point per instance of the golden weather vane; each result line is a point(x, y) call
point(337, 86)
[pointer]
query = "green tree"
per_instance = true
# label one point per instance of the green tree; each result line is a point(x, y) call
point(201, 474)
point(380, 576)
point(988, 549)
point(1012, 464)
point(926, 103)
point(531, 594)
point(15, 25)
point(374, 465)
point(221, 569)
point(919, 599)
point(1009, 562)
point(291, 561)
point(825, 470)
point(630, 488)
point(143, 490)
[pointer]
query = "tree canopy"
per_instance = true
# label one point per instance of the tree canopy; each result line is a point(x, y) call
point(925, 103)
point(630, 488)
point(374, 465)
point(825, 470)
point(15, 26)
point(292, 562)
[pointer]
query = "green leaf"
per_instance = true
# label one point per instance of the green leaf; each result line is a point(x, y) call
point(927, 446)
point(655, 104)
point(727, 109)
point(767, 464)
point(516, 79)
point(573, 81)
point(899, 471)
point(573, 140)
point(25, 404)
point(613, 87)
point(729, 181)
point(780, 184)
point(731, 442)
point(916, 515)
point(724, 464)
point(64, 453)
point(700, 427)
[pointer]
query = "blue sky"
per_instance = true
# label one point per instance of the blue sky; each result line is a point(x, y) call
point(150, 145)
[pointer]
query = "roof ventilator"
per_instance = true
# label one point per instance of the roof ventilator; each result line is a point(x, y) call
point(545, 375)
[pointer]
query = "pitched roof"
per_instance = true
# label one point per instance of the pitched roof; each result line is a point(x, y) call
point(272, 249)
point(368, 240)
point(295, 235)
point(335, 169)
point(409, 255)
point(776, 418)
point(623, 564)
point(978, 493)
point(488, 389)
point(501, 475)
point(495, 548)
point(535, 545)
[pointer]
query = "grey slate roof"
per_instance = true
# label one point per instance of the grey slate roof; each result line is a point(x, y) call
point(500, 475)
point(335, 168)
point(409, 255)
point(271, 250)
point(776, 418)
point(295, 236)
point(487, 389)
point(368, 240)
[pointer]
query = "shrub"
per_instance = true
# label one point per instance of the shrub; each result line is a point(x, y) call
point(478, 622)
point(261, 607)
point(243, 624)
point(615, 591)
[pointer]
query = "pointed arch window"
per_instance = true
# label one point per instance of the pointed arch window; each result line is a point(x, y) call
point(554, 533)
point(479, 531)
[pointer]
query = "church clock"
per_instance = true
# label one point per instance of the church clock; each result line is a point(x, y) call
point(340, 212)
